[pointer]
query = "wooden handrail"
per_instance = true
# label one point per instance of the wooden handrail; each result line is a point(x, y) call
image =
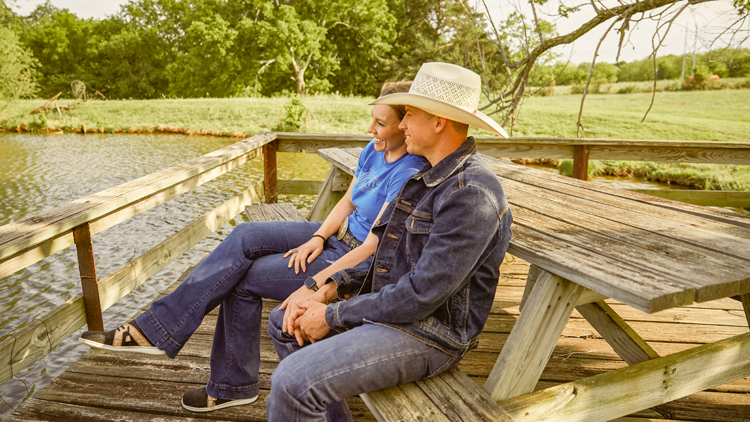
point(34, 238)
point(557, 148)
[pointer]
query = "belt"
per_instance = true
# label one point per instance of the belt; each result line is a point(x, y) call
point(345, 235)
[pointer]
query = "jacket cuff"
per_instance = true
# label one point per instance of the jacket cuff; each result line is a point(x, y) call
point(332, 319)
point(344, 286)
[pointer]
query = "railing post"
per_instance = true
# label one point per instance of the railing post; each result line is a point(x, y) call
point(87, 269)
point(270, 175)
point(581, 162)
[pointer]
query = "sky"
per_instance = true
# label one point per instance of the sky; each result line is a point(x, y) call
point(709, 17)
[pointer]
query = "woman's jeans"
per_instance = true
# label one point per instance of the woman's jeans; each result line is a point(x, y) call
point(246, 267)
point(317, 378)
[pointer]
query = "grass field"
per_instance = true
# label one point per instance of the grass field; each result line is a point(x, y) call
point(697, 115)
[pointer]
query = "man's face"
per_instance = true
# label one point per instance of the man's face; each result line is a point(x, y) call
point(418, 129)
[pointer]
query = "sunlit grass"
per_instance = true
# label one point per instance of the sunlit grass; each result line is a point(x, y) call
point(696, 115)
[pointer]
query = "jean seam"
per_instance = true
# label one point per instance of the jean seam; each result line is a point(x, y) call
point(235, 389)
point(307, 390)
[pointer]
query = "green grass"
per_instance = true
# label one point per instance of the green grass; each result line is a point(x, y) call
point(696, 115)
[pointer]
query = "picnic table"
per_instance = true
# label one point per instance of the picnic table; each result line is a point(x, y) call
point(588, 243)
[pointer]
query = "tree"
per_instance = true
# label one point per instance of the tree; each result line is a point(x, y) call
point(58, 39)
point(17, 68)
point(520, 53)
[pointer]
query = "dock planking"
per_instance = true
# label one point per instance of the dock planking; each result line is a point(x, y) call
point(104, 386)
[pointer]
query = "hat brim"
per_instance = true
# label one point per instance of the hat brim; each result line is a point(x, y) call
point(442, 109)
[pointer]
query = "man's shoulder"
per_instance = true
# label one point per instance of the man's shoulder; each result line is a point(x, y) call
point(476, 171)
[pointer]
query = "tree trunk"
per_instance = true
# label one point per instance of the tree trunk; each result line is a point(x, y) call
point(300, 78)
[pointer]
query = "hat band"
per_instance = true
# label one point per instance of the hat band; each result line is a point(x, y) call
point(452, 93)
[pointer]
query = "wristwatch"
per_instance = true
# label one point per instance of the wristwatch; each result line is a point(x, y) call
point(311, 284)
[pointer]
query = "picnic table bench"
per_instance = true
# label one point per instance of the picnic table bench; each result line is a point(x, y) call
point(587, 243)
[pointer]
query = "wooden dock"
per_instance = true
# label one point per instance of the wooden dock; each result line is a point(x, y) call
point(103, 386)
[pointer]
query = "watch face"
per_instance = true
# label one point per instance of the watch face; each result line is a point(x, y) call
point(310, 283)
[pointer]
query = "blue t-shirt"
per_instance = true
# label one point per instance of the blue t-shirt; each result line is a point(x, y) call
point(378, 182)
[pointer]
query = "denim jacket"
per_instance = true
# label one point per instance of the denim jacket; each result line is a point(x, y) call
point(436, 268)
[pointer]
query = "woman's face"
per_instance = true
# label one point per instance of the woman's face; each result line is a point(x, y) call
point(384, 128)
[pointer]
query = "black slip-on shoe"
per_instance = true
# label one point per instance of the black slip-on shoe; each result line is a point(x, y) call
point(127, 338)
point(198, 400)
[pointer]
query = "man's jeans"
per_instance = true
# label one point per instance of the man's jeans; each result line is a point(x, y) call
point(247, 266)
point(363, 359)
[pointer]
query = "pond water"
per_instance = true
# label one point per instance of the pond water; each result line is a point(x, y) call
point(38, 172)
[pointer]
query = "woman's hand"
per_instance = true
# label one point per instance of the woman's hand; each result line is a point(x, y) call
point(305, 254)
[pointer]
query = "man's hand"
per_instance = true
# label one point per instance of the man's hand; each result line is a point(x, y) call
point(312, 323)
point(291, 311)
point(305, 254)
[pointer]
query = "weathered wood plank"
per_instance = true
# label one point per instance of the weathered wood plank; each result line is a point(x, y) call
point(647, 384)
point(87, 271)
point(342, 159)
point(565, 184)
point(474, 396)
point(423, 402)
point(680, 153)
point(40, 336)
point(276, 212)
point(701, 197)
point(745, 299)
point(327, 198)
point(46, 411)
point(636, 288)
point(50, 223)
point(524, 357)
point(581, 162)
point(270, 173)
point(712, 274)
point(626, 342)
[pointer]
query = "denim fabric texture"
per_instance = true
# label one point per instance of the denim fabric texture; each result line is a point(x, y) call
point(311, 383)
point(246, 267)
point(436, 268)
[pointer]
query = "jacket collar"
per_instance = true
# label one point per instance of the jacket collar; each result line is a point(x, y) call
point(433, 176)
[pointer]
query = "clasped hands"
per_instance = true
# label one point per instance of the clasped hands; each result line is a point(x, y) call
point(305, 314)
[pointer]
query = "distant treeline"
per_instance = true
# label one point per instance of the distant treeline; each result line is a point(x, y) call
point(244, 48)
point(724, 63)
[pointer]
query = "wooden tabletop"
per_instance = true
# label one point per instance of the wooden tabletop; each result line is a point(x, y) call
point(647, 252)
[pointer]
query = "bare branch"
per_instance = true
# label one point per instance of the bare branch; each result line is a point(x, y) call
point(591, 73)
point(656, 50)
point(536, 21)
point(499, 40)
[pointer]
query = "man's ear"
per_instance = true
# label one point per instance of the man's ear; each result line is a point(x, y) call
point(441, 124)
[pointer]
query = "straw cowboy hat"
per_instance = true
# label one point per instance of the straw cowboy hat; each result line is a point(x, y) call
point(448, 91)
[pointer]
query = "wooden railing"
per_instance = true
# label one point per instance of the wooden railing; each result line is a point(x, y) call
point(36, 237)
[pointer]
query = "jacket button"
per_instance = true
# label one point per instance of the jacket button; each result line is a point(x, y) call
point(347, 295)
point(381, 270)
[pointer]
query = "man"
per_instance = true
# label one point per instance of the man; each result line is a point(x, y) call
point(428, 292)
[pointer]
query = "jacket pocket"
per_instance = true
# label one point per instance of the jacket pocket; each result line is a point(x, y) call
point(419, 230)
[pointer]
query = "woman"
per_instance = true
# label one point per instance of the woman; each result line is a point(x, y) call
point(263, 260)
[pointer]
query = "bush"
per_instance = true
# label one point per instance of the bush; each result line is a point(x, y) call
point(296, 116)
point(630, 89)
